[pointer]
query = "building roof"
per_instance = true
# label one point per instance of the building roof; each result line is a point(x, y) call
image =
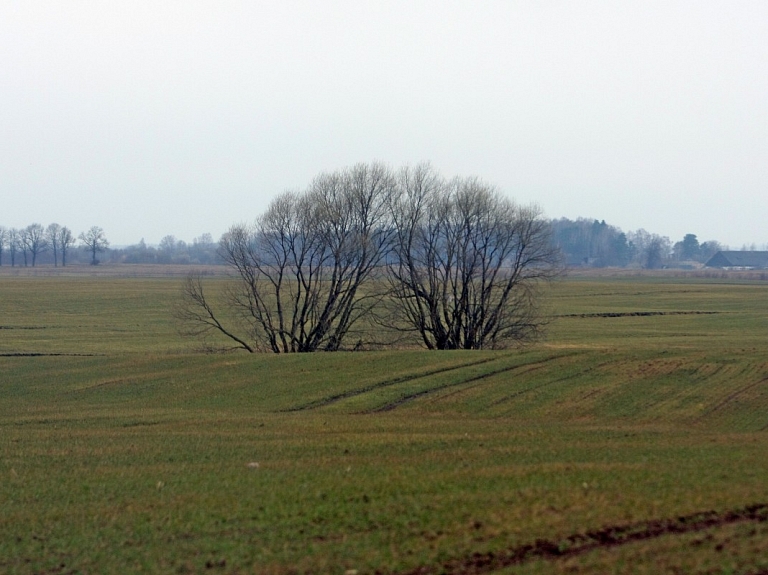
point(739, 259)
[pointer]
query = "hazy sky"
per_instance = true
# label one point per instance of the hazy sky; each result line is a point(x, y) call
point(159, 117)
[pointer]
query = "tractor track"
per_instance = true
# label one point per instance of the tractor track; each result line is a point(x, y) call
point(326, 401)
point(410, 397)
point(552, 382)
point(731, 396)
point(382, 384)
point(605, 538)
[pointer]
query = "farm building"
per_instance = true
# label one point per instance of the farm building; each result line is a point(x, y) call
point(741, 260)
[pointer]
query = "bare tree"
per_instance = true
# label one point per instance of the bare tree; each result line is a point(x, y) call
point(52, 234)
point(3, 242)
point(300, 268)
point(709, 249)
point(655, 253)
point(94, 241)
point(14, 244)
point(168, 243)
point(35, 240)
point(23, 244)
point(467, 264)
point(203, 250)
point(198, 319)
point(65, 240)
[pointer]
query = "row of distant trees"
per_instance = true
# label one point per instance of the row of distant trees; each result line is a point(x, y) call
point(28, 246)
point(583, 242)
point(57, 245)
point(594, 243)
point(203, 250)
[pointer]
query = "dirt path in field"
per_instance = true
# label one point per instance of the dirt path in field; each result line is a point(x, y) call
point(580, 543)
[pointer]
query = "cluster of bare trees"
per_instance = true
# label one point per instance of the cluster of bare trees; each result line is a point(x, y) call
point(24, 246)
point(369, 255)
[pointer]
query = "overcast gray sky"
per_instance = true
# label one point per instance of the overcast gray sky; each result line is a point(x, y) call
point(159, 117)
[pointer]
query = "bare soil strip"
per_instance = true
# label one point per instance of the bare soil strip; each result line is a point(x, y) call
point(580, 543)
point(41, 354)
point(638, 313)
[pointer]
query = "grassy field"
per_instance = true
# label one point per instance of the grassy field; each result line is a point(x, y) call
point(634, 439)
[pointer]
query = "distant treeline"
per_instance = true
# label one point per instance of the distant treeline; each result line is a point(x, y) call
point(591, 243)
point(584, 242)
point(203, 250)
point(56, 245)
point(53, 244)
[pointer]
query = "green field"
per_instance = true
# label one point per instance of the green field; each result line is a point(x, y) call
point(634, 439)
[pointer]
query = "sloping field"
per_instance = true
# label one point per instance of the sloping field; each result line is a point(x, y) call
point(633, 440)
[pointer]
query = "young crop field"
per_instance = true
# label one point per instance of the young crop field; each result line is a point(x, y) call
point(632, 439)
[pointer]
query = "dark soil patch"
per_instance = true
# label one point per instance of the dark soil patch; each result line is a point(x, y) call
point(638, 313)
point(41, 354)
point(580, 543)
